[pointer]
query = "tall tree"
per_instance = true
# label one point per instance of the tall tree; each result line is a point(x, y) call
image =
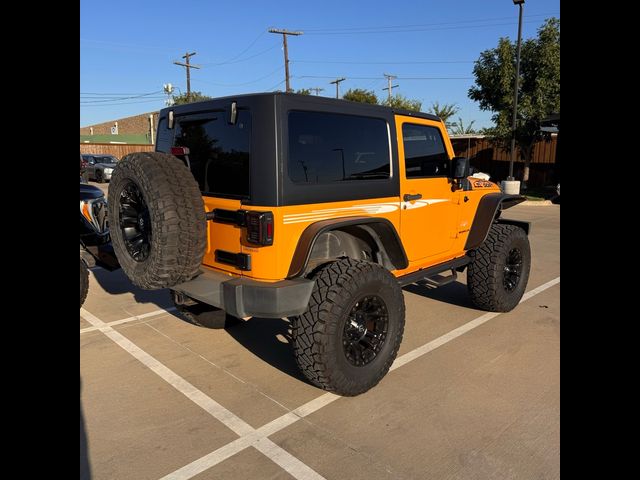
point(538, 92)
point(195, 97)
point(400, 101)
point(361, 95)
point(444, 111)
point(459, 128)
point(303, 91)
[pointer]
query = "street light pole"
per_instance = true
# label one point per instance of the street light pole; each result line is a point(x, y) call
point(515, 92)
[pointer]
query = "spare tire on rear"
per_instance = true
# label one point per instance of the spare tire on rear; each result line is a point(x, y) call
point(156, 220)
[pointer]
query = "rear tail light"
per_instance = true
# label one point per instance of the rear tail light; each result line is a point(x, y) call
point(179, 150)
point(259, 227)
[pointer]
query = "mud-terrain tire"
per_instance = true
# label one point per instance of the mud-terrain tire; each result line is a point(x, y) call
point(84, 281)
point(498, 273)
point(201, 314)
point(353, 304)
point(156, 220)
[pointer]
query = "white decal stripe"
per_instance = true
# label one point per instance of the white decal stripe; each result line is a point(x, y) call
point(343, 209)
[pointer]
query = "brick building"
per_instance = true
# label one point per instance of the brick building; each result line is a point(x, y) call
point(142, 127)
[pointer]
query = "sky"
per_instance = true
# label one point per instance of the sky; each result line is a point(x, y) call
point(127, 49)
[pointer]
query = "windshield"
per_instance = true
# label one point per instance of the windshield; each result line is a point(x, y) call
point(106, 159)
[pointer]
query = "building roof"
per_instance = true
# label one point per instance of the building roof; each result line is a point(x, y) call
point(134, 138)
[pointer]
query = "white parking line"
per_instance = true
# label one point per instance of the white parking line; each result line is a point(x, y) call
point(280, 423)
point(284, 459)
point(129, 319)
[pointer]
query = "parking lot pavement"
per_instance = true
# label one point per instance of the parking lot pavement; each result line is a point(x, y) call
point(471, 395)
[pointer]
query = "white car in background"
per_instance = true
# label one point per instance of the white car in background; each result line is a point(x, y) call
point(99, 167)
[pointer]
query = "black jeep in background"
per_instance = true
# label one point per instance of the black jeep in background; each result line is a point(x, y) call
point(95, 242)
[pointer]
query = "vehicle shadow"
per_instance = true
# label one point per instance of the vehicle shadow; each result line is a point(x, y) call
point(85, 468)
point(269, 339)
point(117, 283)
point(455, 293)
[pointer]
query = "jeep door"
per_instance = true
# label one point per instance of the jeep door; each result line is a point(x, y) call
point(428, 215)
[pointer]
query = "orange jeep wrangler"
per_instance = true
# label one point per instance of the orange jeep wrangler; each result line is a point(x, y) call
point(320, 210)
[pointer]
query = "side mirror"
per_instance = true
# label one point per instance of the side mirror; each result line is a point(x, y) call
point(459, 168)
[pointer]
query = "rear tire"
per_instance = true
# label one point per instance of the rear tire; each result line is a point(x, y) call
point(201, 314)
point(349, 336)
point(499, 271)
point(156, 219)
point(84, 282)
point(99, 177)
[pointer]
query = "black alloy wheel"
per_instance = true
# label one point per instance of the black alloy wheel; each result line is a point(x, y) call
point(365, 330)
point(512, 269)
point(135, 222)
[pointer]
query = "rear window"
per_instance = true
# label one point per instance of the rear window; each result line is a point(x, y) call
point(219, 152)
point(329, 147)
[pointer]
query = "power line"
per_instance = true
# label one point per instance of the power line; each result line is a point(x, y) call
point(399, 78)
point(242, 52)
point(120, 104)
point(275, 86)
point(458, 22)
point(284, 34)
point(244, 59)
point(107, 99)
point(420, 29)
point(240, 84)
point(356, 62)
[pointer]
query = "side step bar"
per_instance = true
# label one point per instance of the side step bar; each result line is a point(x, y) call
point(431, 276)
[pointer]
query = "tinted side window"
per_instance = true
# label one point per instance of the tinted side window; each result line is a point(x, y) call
point(219, 153)
point(328, 147)
point(424, 152)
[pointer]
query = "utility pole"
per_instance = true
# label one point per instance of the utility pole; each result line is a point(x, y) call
point(390, 87)
point(188, 67)
point(515, 97)
point(337, 81)
point(317, 90)
point(284, 34)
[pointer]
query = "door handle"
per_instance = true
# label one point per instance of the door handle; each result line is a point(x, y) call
point(410, 198)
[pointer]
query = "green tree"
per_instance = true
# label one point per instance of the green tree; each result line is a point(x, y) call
point(361, 95)
point(195, 97)
point(459, 128)
point(303, 91)
point(538, 92)
point(444, 111)
point(400, 101)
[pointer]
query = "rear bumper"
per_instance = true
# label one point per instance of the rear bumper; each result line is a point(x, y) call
point(243, 297)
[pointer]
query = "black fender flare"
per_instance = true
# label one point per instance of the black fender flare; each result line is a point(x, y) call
point(488, 211)
point(380, 229)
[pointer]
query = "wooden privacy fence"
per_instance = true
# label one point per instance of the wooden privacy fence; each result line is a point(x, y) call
point(484, 155)
point(487, 157)
point(118, 150)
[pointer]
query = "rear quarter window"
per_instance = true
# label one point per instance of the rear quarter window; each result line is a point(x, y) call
point(327, 148)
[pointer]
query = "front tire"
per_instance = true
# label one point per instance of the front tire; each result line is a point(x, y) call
point(84, 282)
point(99, 177)
point(349, 336)
point(499, 271)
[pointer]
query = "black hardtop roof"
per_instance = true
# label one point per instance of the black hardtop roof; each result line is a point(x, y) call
point(198, 106)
